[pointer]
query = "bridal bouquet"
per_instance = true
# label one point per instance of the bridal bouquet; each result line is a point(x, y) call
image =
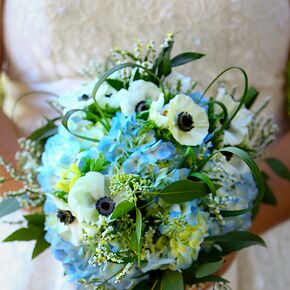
point(143, 182)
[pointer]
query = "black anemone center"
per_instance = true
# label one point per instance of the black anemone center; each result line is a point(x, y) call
point(65, 216)
point(185, 121)
point(108, 95)
point(105, 205)
point(84, 97)
point(141, 106)
point(228, 155)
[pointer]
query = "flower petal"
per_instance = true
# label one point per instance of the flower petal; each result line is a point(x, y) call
point(195, 136)
point(84, 194)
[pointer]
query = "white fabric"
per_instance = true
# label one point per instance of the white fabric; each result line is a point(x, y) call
point(48, 42)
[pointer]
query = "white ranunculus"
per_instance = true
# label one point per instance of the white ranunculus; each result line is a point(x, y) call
point(195, 121)
point(85, 193)
point(238, 129)
point(71, 232)
point(138, 91)
point(158, 111)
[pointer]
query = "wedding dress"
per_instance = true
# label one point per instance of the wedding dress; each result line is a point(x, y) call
point(48, 42)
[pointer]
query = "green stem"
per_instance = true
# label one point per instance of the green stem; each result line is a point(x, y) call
point(227, 123)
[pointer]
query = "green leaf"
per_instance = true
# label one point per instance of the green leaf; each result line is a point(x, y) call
point(133, 243)
point(206, 180)
point(255, 172)
point(251, 97)
point(8, 206)
point(269, 197)
point(235, 241)
point(229, 213)
point(208, 279)
point(44, 132)
point(25, 234)
point(164, 68)
point(136, 75)
point(144, 285)
point(237, 235)
point(278, 167)
point(40, 246)
point(97, 165)
point(139, 233)
point(182, 191)
point(34, 231)
point(37, 220)
point(121, 209)
point(172, 280)
point(116, 84)
point(149, 284)
point(185, 57)
point(208, 269)
point(60, 194)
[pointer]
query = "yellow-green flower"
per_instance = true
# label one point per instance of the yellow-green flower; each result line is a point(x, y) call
point(185, 244)
point(68, 178)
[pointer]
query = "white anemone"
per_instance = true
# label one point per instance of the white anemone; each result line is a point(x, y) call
point(158, 113)
point(187, 121)
point(82, 97)
point(238, 129)
point(84, 195)
point(77, 99)
point(107, 96)
point(137, 94)
point(178, 83)
point(72, 231)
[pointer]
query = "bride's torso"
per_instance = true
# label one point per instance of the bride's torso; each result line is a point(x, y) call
point(47, 43)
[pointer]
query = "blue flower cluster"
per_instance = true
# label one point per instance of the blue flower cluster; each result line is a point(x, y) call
point(140, 153)
point(245, 192)
point(59, 152)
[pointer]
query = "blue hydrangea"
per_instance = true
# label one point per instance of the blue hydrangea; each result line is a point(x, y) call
point(59, 153)
point(241, 197)
point(138, 152)
point(164, 176)
point(146, 160)
point(189, 210)
point(124, 138)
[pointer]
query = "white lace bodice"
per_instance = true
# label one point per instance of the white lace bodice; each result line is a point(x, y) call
point(51, 41)
point(48, 42)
